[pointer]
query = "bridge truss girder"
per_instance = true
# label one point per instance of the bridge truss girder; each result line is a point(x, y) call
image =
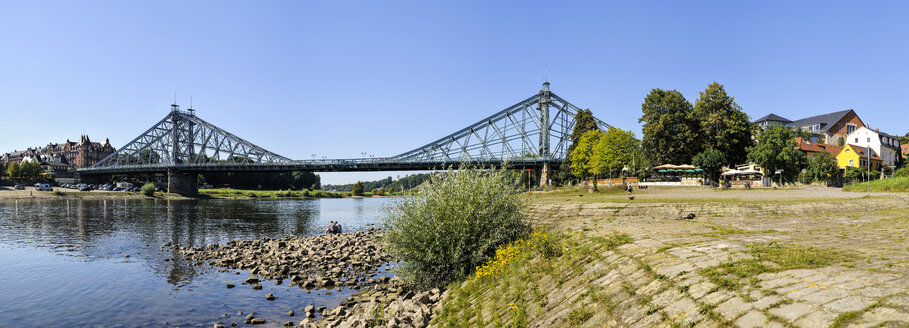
point(182, 140)
point(512, 134)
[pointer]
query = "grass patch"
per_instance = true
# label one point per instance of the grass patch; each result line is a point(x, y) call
point(579, 316)
point(769, 258)
point(885, 185)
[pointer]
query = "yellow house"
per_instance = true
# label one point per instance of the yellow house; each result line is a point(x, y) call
point(857, 156)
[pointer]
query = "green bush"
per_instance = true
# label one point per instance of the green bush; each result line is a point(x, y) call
point(901, 173)
point(148, 189)
point(454, 224)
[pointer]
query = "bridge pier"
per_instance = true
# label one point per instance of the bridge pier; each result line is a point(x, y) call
point(544, 174)
point(183, 184)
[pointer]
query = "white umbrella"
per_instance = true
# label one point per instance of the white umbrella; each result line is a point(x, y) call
point(731, 172)
point(750, 171)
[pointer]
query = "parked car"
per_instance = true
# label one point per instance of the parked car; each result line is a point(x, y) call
point(44, 187)
point(19, 187)
point(85, 188)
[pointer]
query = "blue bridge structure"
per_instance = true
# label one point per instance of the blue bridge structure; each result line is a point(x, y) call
point(534, 132)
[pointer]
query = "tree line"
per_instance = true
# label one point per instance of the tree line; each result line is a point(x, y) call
point(711, 133)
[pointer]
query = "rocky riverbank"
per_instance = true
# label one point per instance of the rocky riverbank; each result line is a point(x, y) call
point(351, 260)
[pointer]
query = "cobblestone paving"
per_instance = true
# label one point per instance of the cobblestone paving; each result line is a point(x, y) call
point(657, 280)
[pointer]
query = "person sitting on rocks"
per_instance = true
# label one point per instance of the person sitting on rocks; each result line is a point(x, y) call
point(332, 228)
point(338, 227)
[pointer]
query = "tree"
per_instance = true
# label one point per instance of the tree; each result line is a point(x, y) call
point(775, 150)
point(820, 168)
point(710, 161)
point(612, 152)
point(3, 170)
point(582, 155)
point(12, 170)
point(724, 126)
point(671, 133)
point(357, 189)
point(904, 139)
point(584, 121)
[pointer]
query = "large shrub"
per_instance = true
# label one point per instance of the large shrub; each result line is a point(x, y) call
point(901, 173)
point(148, 189)
point(454, 224)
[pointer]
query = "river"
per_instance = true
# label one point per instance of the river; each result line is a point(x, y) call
point(63, 263)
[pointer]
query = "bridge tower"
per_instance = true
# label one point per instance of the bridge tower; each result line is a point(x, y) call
point(183, 183)
point(545, 100)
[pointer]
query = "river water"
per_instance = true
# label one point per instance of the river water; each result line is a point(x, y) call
point(62, 262)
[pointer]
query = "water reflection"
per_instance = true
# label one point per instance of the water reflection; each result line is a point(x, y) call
point(69, 255)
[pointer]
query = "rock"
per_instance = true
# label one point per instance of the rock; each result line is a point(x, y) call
point(125, 255)
point(270, 297)
point(290, 313)
point(257, 287)
point(252, 280)
point(257, 321)
point(230, 286)
point(218, 325)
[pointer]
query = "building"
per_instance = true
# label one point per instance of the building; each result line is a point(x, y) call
point(812, 149)
point(831, 128)
point(86, 153)
point(887, 146)
point(858, 156)
point(772, 119)
point(80, 154)
point(905, 152)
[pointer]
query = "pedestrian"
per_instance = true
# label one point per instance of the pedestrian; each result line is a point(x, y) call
point(331, 228)
point(338, 227)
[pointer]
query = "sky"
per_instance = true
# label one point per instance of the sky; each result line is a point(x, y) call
point(345, 79)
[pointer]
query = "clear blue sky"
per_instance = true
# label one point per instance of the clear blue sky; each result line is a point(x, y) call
point(339, 78)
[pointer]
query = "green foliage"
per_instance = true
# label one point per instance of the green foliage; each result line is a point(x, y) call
point(12, 170)
point(357, 189)
point(885, 185)
point(710, 161)
point(264, 180)
point(901, 173)
point(3, 172)
point(724, 126)
point(820, 168)
point(671, 132)
point(582, 155)
point(148, 189)
point(584, 121)
point(612, 152)
point(858, 173)
point(579, 316)
point(454, 224)
point(775, 150)
point(404, 183)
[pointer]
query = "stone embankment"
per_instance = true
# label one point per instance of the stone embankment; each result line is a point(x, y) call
point(351, 260)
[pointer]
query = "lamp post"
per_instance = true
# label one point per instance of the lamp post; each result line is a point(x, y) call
point(868, 150)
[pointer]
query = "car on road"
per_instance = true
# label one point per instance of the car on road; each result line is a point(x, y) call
point(19, 187)
point(44, 187)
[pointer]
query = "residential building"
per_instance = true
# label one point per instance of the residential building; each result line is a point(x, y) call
point(86, 153)
point(887, 146)
point(858, 156)
point(811, 149)
point(772, 120)
point(831, 128)
point(83, 153)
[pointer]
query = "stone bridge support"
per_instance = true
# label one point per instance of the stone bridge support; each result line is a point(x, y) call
point(183, 184)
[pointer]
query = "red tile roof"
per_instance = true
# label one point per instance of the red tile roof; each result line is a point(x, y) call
point(861, 151)
point(905, 149)
point(833, 149)
point(808, 146)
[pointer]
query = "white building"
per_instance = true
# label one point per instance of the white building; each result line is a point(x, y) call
point(887, 146)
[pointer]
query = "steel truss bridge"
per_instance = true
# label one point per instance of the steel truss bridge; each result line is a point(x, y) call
point(534, 132)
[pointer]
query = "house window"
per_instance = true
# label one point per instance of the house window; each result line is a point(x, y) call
point(851, 162)
point(869, 139)
point(856, 140)
point(850, 128)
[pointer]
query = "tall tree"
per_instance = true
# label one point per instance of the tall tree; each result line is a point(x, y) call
point(613, 152)
point(582, 164)
point(671, 134)
point(710, 161)
point(775, 150)
point(724, 126)
point(584, 121)
point(820, 168)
